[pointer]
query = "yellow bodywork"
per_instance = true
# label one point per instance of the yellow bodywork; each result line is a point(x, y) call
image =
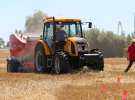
point(69, 41)
point(61, 19)
point(67, 47)
point(46, 47)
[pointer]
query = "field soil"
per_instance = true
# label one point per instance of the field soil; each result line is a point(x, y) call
point(110, 84)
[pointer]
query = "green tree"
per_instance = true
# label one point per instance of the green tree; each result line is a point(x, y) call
point(91, 36)
point(34, 23)
point(2, 43)
point(111, 44)
point(128, 38)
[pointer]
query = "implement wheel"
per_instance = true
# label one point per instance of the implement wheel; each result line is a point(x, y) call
point(13, 66)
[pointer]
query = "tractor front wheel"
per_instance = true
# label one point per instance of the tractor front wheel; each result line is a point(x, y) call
point(100, 65)
point(61, 63)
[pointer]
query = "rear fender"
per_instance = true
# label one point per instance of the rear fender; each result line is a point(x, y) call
point(45, 46)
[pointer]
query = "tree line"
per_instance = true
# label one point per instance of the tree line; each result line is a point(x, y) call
point(2, 43)
point(112, 45)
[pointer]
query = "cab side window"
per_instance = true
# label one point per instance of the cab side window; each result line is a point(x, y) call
point(49, 31)
point(49, 34)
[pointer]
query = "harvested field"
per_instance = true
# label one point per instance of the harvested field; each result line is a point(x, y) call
point(111, 84)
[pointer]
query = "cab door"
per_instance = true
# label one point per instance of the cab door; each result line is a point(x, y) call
point(48, 34)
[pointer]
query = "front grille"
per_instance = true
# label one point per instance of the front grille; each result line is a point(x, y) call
point(82, 47)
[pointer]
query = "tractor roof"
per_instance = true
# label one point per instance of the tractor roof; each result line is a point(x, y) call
point(61, 19)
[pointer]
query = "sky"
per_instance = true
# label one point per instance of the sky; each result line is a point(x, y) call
point(104, 14)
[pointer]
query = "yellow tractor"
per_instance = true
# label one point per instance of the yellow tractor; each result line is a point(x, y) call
point(62, 53)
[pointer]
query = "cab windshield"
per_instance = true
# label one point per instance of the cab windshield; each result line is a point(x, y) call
point(71, 29)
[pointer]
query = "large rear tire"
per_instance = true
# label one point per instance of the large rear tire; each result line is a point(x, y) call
point(61, 63)
point(40, 59)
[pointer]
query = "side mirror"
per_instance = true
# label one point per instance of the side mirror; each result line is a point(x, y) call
point(90, 25)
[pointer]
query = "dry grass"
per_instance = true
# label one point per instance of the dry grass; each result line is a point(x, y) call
point(106, 85)
point(93, 92)
point(4, 54)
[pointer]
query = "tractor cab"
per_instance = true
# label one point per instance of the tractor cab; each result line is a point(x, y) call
point(57, 31)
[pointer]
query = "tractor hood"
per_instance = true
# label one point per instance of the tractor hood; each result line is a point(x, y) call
point(77, 40)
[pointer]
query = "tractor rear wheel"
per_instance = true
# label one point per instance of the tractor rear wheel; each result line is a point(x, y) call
point(40, 59)
point(61, 63)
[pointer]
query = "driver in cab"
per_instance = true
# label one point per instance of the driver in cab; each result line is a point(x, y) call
point(60, 33)
point(61, 36)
